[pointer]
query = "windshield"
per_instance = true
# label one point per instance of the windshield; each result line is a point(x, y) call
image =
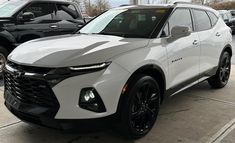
point(131, 23)
point(7, 9)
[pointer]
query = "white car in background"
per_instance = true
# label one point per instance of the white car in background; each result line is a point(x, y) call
point(232, 13)
point(228, 19)
point(120, 66)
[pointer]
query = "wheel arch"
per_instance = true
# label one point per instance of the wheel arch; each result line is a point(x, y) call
point(228, 48)
point(7, 41)
point(152, 70)
point(28, 37)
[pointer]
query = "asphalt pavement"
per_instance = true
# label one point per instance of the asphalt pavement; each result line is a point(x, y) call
point(198, 115)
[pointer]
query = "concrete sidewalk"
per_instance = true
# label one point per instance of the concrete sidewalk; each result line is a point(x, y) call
point(197, 115)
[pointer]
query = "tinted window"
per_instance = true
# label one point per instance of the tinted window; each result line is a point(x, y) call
point(213, 18)
point(202, 21)
point(181, 17)
point(66, 12)
point(131, 23)
point(41, 11)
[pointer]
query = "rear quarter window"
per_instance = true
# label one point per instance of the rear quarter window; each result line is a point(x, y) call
point(213, 18)
point(202, 21)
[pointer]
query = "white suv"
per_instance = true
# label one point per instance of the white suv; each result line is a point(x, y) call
point(119, 67)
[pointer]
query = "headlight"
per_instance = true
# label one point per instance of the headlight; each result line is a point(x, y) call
point(99, 66)
point(57, 75)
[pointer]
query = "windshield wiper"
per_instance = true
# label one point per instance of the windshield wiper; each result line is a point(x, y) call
point(114, 34)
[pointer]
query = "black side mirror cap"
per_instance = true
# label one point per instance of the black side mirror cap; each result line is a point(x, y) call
point(27, 16)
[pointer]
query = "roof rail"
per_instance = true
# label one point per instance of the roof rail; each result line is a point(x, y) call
point(126, 5)
point(182, 2)
point(191, 4)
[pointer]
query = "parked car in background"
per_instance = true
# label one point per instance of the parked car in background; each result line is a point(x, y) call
point(119, 67)
point(232, 13)
point(228, 19)
point(24, 20)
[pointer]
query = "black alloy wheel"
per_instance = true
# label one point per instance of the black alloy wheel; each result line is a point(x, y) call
point(3, 57)
point(141, 109)
point(225, 69)
point(223, 73)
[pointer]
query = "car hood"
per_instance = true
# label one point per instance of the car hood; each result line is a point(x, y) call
point(5, 19)
point(73, 50)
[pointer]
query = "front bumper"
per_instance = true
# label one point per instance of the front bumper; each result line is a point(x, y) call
point(31, 113)
point(63, 110)
point(30, 99)
point(44, 117)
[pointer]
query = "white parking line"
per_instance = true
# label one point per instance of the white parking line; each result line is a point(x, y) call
point(12, 124)
point(223, 132)
point(215, 99)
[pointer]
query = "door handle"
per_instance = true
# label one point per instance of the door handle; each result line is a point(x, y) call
point(195, 42)
point(54, 26)
point(217, 34)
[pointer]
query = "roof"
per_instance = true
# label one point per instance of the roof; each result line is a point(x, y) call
point(175, 5)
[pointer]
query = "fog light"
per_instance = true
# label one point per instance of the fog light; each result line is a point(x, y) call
point(90, 100)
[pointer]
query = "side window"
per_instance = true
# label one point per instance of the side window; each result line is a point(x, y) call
point(213, 18)
point(181, 17)
point(66, 12)
point(202, 21)
point(41, 11)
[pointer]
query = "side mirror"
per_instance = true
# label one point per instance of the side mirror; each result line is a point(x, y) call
point(179, 32)
point(27, 16)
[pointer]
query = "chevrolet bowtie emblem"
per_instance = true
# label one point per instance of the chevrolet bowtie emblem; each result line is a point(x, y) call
point(18, 74)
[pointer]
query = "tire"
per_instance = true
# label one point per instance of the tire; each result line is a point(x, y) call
point(221, 78)
point(141, 107)
point(3, 58)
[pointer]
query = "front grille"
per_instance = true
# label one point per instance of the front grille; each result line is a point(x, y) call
point(30, 90)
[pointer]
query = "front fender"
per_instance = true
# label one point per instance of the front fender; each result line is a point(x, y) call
point(136, 59)
point(8, 36)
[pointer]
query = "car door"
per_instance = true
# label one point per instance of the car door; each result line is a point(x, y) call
point(69, 19)
point(211, 41)
point(183, 53)
point(42, 25)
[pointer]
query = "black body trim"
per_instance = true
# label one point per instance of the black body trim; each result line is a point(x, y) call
point(160, 25)
point(182, 85)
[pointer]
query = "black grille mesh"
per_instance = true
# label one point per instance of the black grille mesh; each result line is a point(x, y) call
point(30, 90)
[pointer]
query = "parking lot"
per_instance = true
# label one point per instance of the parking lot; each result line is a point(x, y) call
point(197, 115)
